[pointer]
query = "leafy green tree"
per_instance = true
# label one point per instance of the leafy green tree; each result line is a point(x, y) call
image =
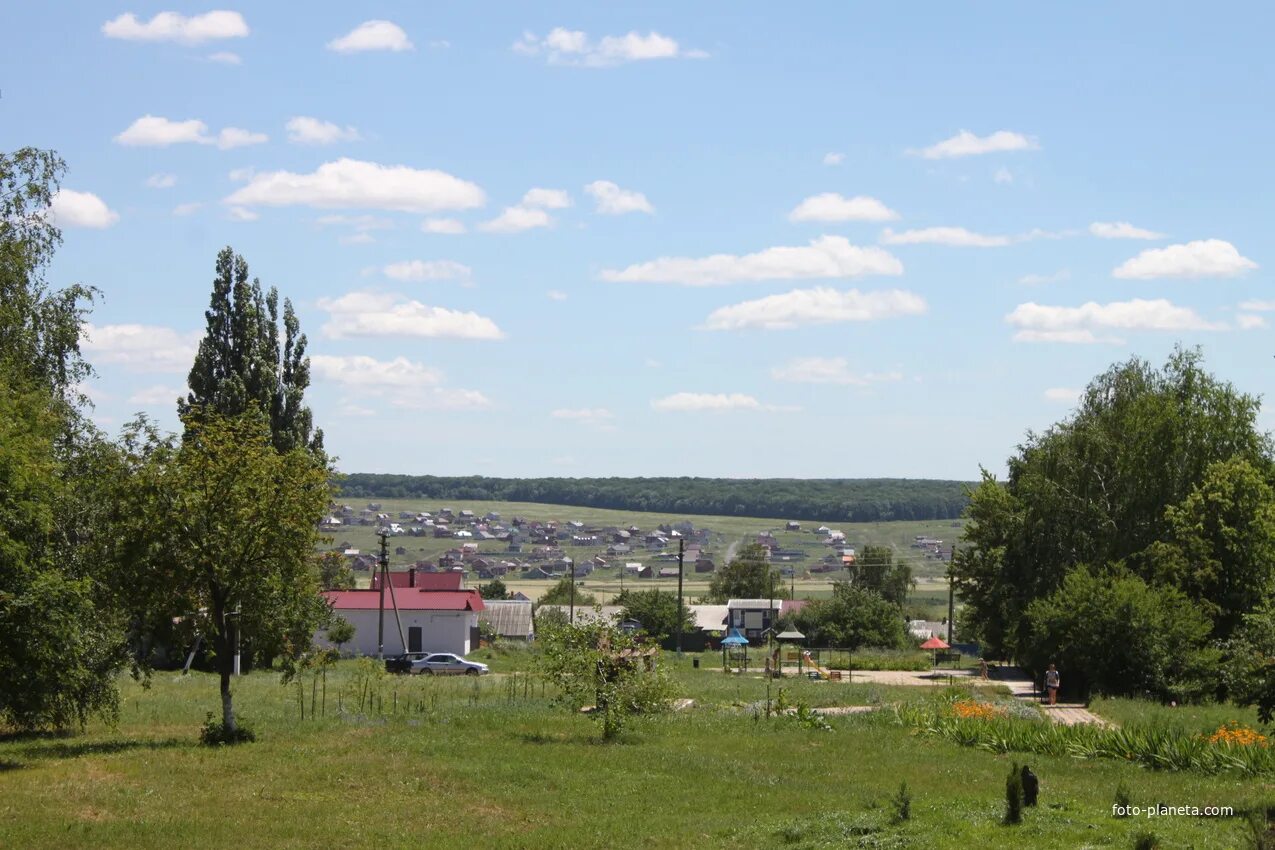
point(1111, 632)
point(335, 572)
point(560, 594)
point(1249, 672)
point(851, 619)
point(749, 576)
point(656, 610)
point(495, 589)
point(875, 570)
point(1098, 487)
point(594, 663)
point(228, 528)
point(340, 632)
point(240, 364)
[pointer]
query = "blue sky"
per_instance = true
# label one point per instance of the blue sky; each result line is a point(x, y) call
point(665, 238)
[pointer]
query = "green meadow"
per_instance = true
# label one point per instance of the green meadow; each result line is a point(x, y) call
point(380, 762)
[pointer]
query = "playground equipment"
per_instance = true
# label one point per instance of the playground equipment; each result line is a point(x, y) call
point(816, 669)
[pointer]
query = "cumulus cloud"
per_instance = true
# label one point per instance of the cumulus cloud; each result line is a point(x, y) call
point(517, 219)
point(304, 130)
point(954, 236)
point(156, 395)
point(1121, 230)
point(966, 143)
point(828, 370)
point(1250, 321)
point(833, 158)
point(573, 47)
point(831, 206)
point(1093, 322)
point(378, 315)
point(171, 26)
point(242, 214)
point(1257, 306)
point(714, 403)
point(413, 270)
point(610, 199)
point(158, 132)
point(449, 226)
point(592, 417)
point(550, 199)
point(352, 183)
point(161, 181)
point(141, 348)
point(818, 306)
point(824, 257)
point(1063, 395)
point(69, 208)
point(1202, 258)
point(400, 382)
point(372, 35)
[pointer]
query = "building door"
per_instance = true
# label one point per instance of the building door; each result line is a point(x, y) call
point(413, 638)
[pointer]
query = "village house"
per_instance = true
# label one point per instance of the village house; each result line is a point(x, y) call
point(436, 615)
point(510, 619)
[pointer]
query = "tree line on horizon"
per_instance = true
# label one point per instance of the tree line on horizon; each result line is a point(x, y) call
point(823, 499)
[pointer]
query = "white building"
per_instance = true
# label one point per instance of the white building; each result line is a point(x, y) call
point(432, 620)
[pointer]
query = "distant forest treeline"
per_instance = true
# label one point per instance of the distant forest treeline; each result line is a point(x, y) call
point(823, 499)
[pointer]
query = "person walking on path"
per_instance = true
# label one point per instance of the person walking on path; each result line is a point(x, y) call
point(1052, 681)
point(982, 669)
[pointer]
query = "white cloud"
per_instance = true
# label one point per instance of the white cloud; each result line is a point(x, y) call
point(225, 57)
point(159, 132)
point(1003, 175)
point(1250, 321)
point(1121, 230)
point(141, 348)
point(612, 200)
point(412, 270)
point(241, 175)
point(400, 383)
point(156, 395)
point(824, 257)
point(449, 226)
point(69, 208)
point(352, 183)
point(370, 314)
point(828, 370)
point(831, 206)
point(550, 199)
point(556, 295)
point(372, 35)
point(954, 236)
point(1258, 306)
point(351, 409)
point(833, 158)
point(573, 47)
point(161, 181)
point(1202, 258)
point(817, 306)
point(1041, 279)
point(1063, 395)
point(171, 26)
point(362, 225)
point(304, 130)
point(966, 143)
point(359, 238)
point(189, 208)
point(713, 403)
point(517, 219)
point(591, 417)
point(242, 214)
point(1092, 322)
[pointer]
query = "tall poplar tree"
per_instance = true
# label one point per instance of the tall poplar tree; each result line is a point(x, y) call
point(240, 364)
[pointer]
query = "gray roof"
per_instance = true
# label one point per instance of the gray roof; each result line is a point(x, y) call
point(709, 618)
point(510, 618)
point(587, 613)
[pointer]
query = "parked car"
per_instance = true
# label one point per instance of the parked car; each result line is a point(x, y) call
point(446, 664)
point(403, 663)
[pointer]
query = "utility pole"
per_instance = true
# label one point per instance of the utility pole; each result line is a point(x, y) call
point(681, 549)
point(384, 565)
point(951, 596)
point(572, 561)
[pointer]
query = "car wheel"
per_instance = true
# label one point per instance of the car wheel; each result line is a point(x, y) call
point(428, 672)
point(472, 671)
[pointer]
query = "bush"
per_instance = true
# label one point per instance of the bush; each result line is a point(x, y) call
point(901, 802)
point(1146, 841)
point(214, 733)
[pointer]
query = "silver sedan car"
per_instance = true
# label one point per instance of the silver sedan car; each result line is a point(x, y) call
point(446, 664)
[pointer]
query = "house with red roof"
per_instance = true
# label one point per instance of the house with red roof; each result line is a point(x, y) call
point(436, 615)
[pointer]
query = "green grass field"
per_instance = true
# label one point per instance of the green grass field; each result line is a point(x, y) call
point(471, 763)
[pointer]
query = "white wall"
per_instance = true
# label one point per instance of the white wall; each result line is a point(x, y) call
point(441, 631)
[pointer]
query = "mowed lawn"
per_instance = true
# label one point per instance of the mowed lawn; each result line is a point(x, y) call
point(471, 763)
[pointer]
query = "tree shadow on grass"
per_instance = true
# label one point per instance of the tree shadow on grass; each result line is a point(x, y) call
point(48, 747)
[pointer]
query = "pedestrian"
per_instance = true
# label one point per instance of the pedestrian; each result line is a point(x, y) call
point(982, 669)
point(1052, 681)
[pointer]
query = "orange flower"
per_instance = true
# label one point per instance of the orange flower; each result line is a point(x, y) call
point(1235, 734)
point(968, 708)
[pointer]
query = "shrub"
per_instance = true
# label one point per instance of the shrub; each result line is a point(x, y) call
point(1146, 841)
point(215, 734)
point(901, 802)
